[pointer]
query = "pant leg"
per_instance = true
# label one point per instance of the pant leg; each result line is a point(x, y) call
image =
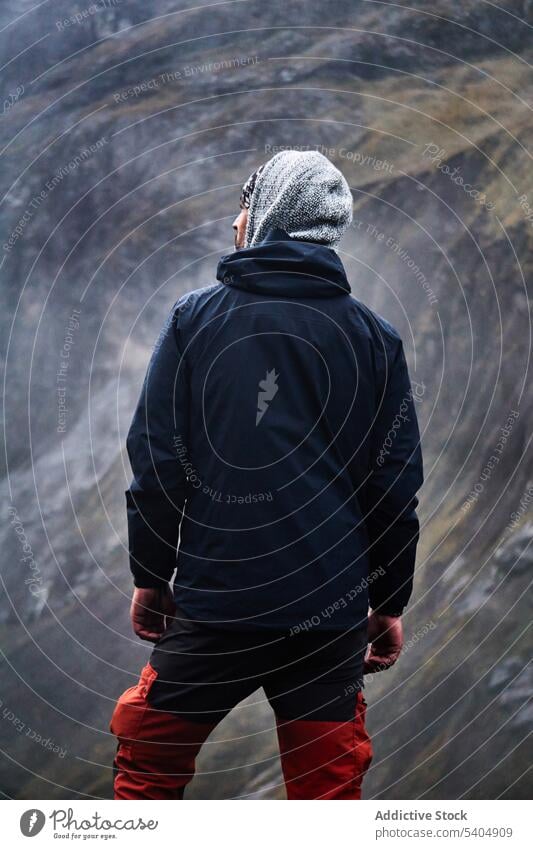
point(320, 714)
point(325, 760)
point(195, 676)
point(156, 749)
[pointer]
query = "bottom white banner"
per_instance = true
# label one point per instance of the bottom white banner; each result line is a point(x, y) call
point(233, 824)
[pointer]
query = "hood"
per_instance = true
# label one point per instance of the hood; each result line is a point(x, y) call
point(287, 267)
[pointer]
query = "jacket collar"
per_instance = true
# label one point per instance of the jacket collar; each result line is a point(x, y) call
point(283, 266)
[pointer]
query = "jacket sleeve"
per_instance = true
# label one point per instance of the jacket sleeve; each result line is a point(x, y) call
point(157, 493)
point(396, 475)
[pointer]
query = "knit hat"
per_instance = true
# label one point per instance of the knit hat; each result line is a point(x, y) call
point(302, 193)
point(248, 188)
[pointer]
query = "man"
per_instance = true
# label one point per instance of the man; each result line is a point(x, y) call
point(276, 434)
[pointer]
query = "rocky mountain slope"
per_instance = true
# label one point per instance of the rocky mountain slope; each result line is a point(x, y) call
point(126, 134)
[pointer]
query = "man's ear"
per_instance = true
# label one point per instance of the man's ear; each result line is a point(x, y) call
point(239, 228)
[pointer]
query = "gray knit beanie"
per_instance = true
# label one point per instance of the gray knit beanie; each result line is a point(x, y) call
point(302, 193)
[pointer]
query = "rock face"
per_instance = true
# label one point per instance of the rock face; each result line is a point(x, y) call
point(125, 141)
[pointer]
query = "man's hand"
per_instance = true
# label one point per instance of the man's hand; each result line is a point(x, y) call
point(385, 636)
point(148, 610)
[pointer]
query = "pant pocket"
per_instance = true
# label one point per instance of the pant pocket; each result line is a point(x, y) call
point(363, 744)
point(131, 707)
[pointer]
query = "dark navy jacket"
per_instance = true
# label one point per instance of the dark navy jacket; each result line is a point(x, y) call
point(277, 424)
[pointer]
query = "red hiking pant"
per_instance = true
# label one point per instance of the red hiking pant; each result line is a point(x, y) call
point(198, 673)
point(157, 750)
